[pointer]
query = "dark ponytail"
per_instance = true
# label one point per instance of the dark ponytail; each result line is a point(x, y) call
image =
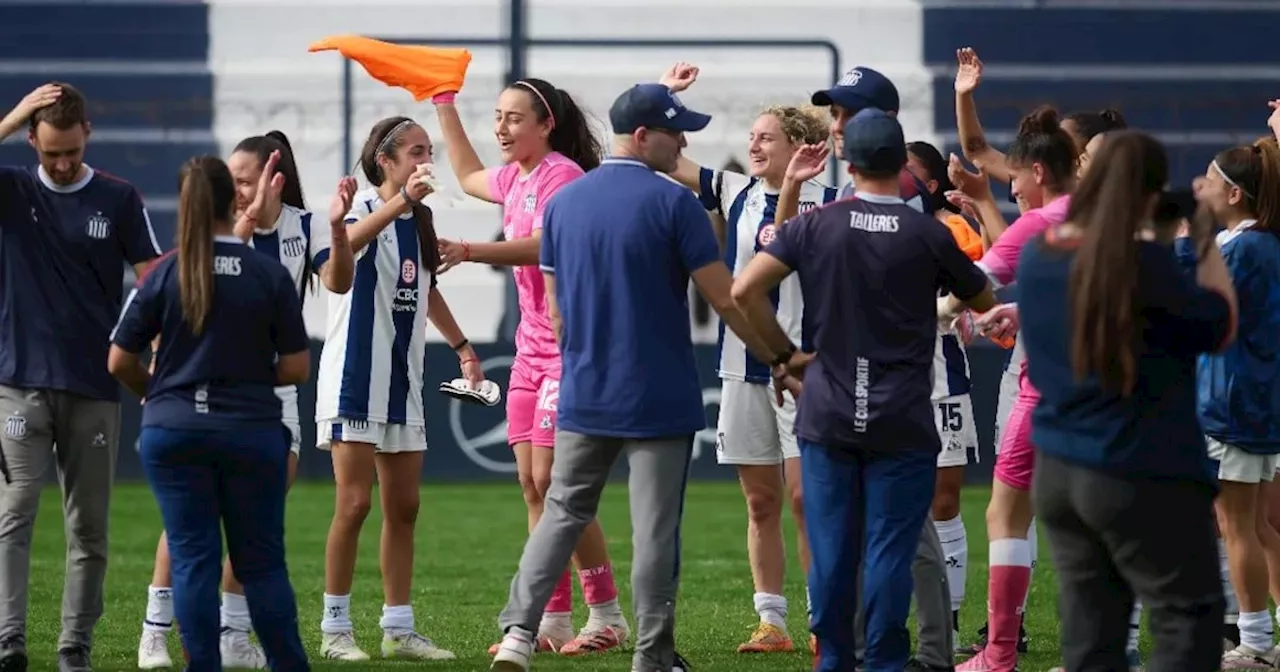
point(276, 141)
point(937, 167)
point(1041, 140)
point(1255, 170)
point(571, 133)
point(1090, 124)
point(206, 194)
point(384, 139)
point(1110, 206)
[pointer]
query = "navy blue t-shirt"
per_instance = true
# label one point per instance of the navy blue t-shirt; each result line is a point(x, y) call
point(870, 270)
point(1154, 433)
point(226, 376)
point(622, 242)
point(62, 256)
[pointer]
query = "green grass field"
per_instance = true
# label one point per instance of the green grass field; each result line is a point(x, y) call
point(469, 541)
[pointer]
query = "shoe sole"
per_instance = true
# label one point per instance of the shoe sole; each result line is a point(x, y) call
point(14, 662)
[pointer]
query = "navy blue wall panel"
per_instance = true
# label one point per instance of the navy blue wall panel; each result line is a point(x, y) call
point(151, 167)
point(1102, 36)
point(114, 31)
point(131, 101)
point(1152, 105)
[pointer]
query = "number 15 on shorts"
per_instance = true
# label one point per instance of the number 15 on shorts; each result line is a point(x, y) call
point(950, 419)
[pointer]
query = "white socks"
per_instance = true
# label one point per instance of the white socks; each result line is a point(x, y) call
point(772, 609)
point(235, 612)
point(397, 620)
point(1135, 626)
point(159, 616)
point(337, 614)
point(955, 548)
point(1228, 589)
point(603, 614)
point(1256, 631)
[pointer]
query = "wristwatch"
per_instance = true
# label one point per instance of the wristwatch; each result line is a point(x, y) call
point(784, 357)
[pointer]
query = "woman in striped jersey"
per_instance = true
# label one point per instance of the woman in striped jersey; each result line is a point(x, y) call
point(754, 434)
point(268, 189)
point(951, 384)
point(369, 406)
point(545, 142)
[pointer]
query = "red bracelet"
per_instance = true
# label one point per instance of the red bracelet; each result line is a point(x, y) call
point(466, 251)
point(468, 360)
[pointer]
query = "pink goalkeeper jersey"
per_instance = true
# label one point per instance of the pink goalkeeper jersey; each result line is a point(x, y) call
point(1001, 261)
point(523, 198)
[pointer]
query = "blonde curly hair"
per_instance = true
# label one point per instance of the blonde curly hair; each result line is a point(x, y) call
point(803, 125)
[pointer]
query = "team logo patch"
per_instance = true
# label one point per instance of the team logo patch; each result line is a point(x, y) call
point(98, 226)
point(806, 206)
point(546, 422)
point(530, 203)
point(851, 78)
point(100, 440)
point(15, 427)
point(768, 233)
point(294, 247)
point(408, 271)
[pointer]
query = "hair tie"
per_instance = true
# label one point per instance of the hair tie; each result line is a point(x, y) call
point(551, 115)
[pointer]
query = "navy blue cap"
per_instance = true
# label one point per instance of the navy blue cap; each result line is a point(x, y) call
point(873, 142)
point(859, 89)
point(653, 106)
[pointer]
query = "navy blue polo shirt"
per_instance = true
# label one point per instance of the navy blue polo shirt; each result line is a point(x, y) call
point(227, 374)
point(870, 271)
point(1155, 432)
point(62, 256)
point(622, 242)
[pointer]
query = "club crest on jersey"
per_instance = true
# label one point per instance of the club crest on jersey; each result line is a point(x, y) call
point(15, 427)
point(767, 234)
point(408, 271)
point(806, 206)
point(98, 226)
point(294, 247)
point(530, 203)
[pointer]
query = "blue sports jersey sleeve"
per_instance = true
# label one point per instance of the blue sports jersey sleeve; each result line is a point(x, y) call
point(788, 244)
point(137, 237)
point(139, 321)
point(957, 274)
point(1192, 319)
point(694, 238)
point(707, 193)
point(290, 330)
point(547, 249)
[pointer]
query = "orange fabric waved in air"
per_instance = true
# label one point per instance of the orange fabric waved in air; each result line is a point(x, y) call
point(423, 71)
point(970, 241)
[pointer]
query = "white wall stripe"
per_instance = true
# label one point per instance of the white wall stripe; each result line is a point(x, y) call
point(141, 136)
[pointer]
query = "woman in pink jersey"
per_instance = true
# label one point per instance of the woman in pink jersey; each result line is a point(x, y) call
point(546, 142)
point(1042, 165)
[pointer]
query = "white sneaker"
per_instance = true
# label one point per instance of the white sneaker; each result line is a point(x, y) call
point(514, 652)
point(153, 651)
point(341, 646)
point(239, 652)
point(412, 646)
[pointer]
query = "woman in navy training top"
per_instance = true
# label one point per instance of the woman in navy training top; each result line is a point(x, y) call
point(1112, 327)
point(213, 444)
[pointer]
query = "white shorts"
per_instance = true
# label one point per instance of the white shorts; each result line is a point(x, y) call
point(1238, 466)
point(953, 417)
point(752, 429)
point(1008, 391)
point(385, 438)
point(289, 407)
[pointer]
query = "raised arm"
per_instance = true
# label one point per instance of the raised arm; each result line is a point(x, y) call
point(43, 96)
point(972, 140)
point(338, 269)
point(466, 164)
point(680, 77)
point(807, 163)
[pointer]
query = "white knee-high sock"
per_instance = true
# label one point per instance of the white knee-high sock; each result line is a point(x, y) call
point(955, 548)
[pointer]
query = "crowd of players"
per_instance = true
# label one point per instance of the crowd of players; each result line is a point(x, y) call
point(843, 284)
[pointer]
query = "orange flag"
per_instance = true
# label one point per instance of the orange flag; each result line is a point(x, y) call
point(423, 71)
point(970, 241)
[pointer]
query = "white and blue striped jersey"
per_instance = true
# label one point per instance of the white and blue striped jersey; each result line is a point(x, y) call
point(950, 367)
point(290, 242)
point(371, 368)
point(748, 207)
